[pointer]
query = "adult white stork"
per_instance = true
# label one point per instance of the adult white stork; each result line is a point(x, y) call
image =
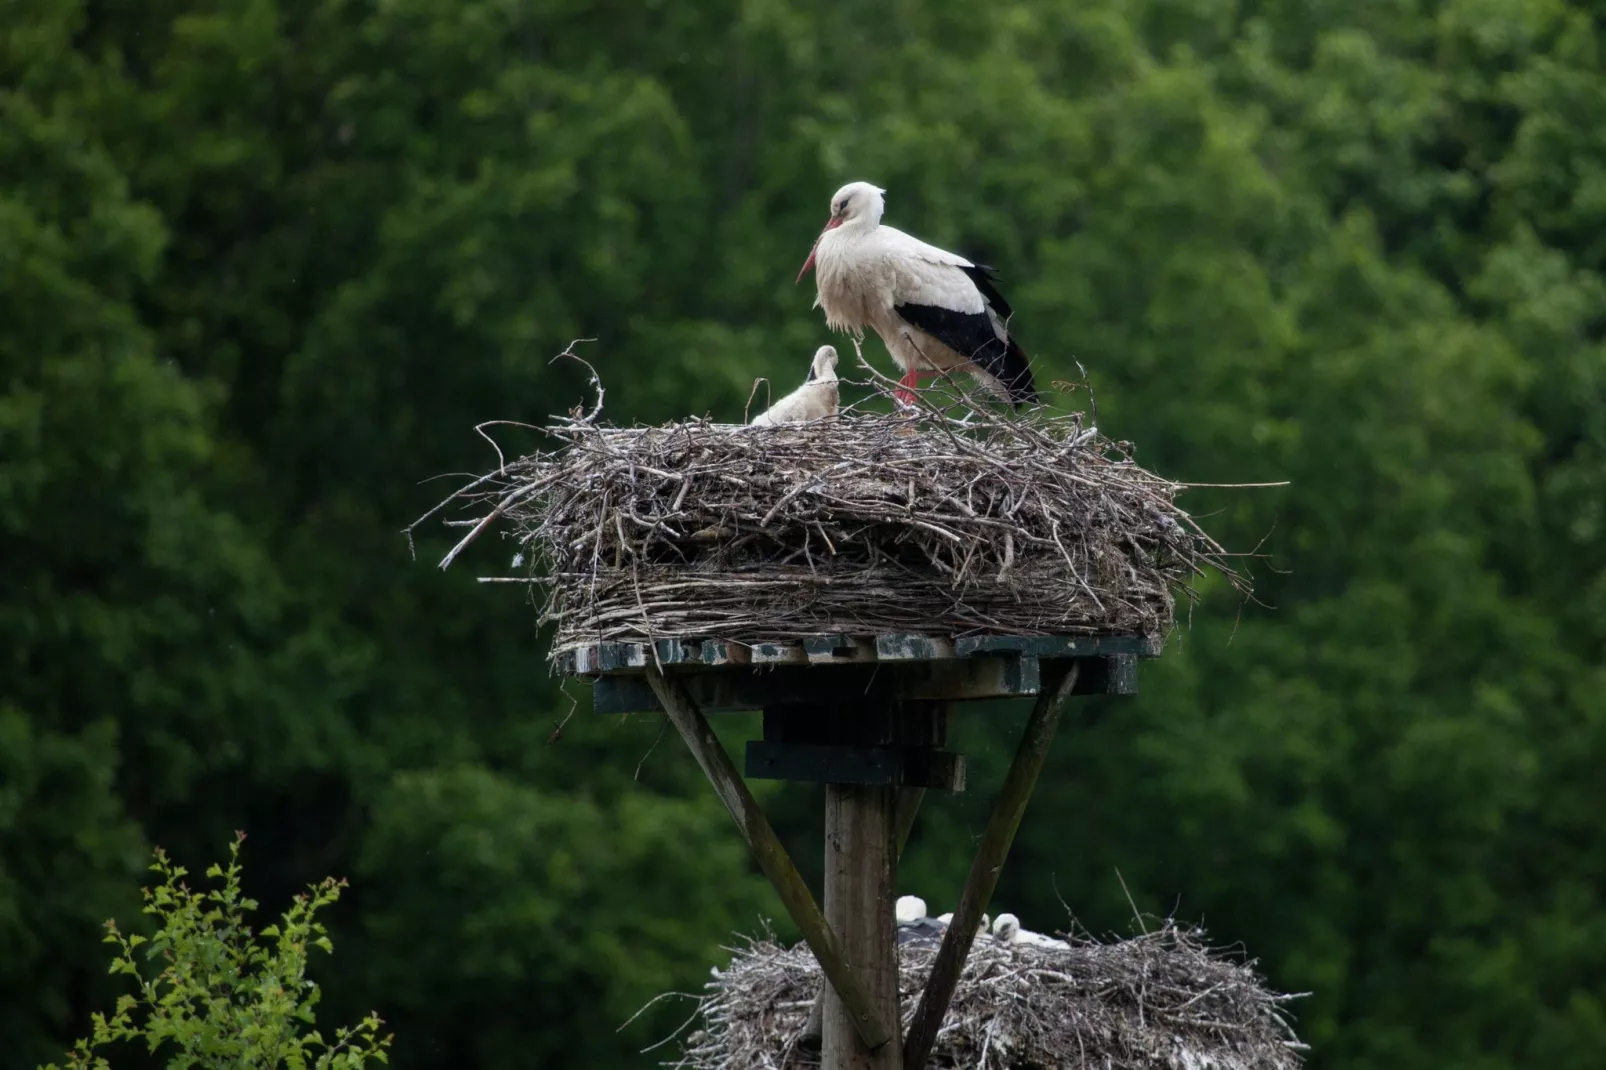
point(935, 310)
point(817, 398)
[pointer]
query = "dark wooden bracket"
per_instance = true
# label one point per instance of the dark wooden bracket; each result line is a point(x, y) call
point(980, 676)
point(894, 744)
point(821, 763)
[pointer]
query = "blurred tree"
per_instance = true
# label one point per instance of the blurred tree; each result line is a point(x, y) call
point(266, 263)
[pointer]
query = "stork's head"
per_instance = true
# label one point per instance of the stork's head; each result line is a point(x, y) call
point(857, 205)
point(823, 370)
point(1006, 928)
point(908, 908)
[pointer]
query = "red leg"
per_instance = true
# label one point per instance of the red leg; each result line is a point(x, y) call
point(905, 391)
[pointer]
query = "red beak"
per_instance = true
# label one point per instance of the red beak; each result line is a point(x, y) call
point(810, 261)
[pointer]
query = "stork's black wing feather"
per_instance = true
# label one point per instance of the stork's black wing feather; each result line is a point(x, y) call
point(983, 277)
point(972, 335)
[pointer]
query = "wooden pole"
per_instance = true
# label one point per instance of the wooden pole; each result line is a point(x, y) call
point(860, 1009)
point(984, 870)
point(860, 878)
point(909, 800)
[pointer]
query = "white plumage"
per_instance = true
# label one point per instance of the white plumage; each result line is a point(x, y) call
point(935, 310)
point(947, 919)
point(817, 398)
point(909, 909)
point(1007, 930)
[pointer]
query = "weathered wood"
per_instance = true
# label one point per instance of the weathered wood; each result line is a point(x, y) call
point(829, 763)
point(860, 878)
point(743, 689)
point(984, 869)
point(913, 648)
point(1113, 674)
point(1059, 646)
point(838, 649)
point(678, 651)
point(779, 654)
point(909, 800)
point(860, 1011)
point(602, 658)
point(720, 654)
point(860, 721)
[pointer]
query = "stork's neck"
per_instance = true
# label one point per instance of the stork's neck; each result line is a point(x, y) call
point(869, 220)
point(855, 230)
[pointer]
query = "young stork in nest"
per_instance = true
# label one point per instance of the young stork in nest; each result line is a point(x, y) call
point(816, 399)
point(1007, 930)
point(936, 311)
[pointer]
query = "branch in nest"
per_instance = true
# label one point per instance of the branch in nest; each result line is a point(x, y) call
point(933, 522)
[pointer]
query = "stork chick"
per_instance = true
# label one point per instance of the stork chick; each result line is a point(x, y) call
point(936, 311)
point(1007, 930)
point(816, 399)
point(909, 909)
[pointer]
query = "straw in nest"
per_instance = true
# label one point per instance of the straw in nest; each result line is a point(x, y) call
point(928, 522)
point(1164, 999)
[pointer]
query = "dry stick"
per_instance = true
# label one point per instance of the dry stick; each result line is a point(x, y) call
point(909, 800)
point(984, 870)
point(511, 500)
point(770, 854)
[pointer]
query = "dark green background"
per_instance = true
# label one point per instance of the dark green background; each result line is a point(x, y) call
point(264, 264)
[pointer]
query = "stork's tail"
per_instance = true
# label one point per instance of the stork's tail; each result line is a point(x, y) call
point(1015, 372)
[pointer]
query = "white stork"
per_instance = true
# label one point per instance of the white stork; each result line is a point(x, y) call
point(948, 919)
point(909, 909)
point(1007, 930)
point(935, 311)
point(816, 399)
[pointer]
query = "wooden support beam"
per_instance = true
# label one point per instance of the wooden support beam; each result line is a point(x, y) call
point(860, 877)
point(909, 800)
point(989, 861)
point(772, 858)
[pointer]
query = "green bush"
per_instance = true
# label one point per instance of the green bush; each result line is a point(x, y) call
point(226, 996)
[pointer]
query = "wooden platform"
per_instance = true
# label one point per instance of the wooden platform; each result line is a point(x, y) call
point(725, 677)
point(866, 716)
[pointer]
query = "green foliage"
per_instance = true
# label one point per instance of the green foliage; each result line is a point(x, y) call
point(226, 996)
point(265, 263)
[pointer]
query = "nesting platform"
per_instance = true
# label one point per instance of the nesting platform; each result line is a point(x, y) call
point(855, 709)
point(854, 578)
point(729, 677)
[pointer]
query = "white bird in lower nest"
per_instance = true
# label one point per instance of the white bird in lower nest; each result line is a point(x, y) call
point(948, 919)
point(817, 398)
point(1007, 930)
point(909, 909)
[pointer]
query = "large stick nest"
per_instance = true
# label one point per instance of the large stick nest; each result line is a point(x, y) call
point(862, 523)
point(1164, 999)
